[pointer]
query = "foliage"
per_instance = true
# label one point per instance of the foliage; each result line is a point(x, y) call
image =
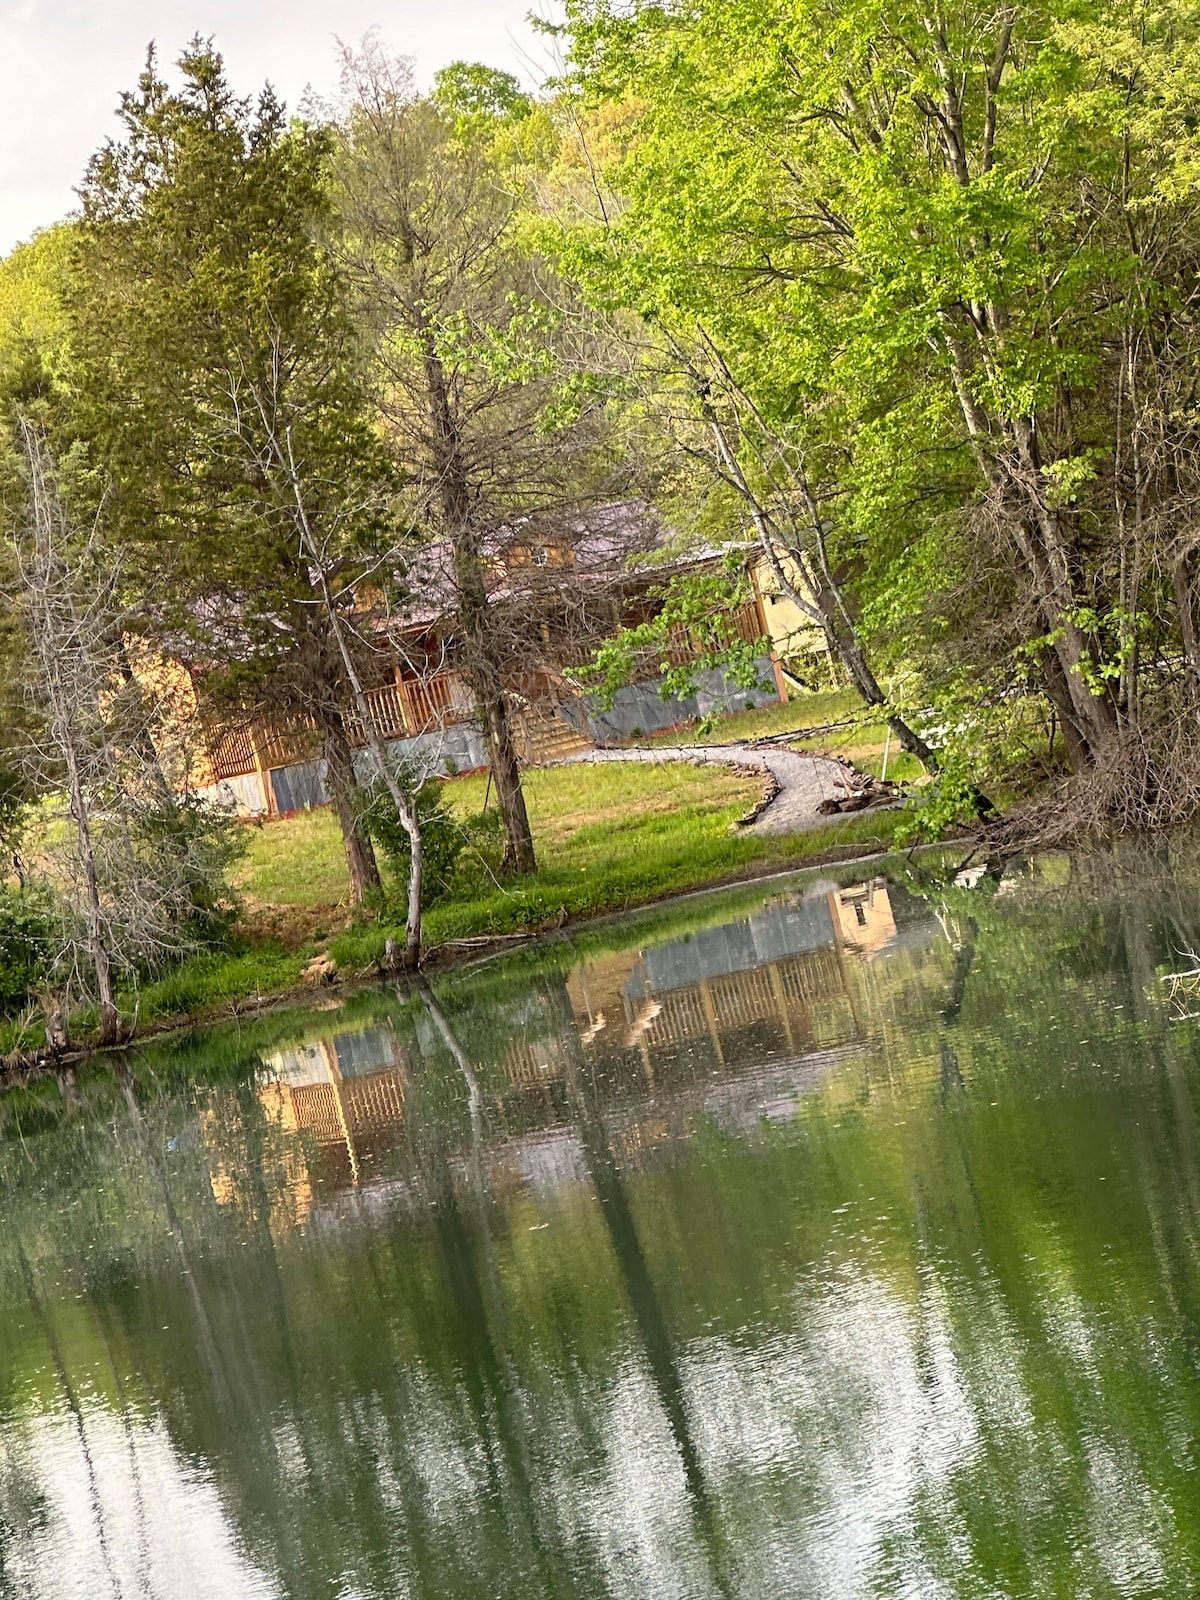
point(692, 630)
point(444, 836)
point(217, 375)
point(27, 941)
point(472, 340)
point(15, 799)
point(136, 879)
point(208, 844)
point(202, 296)
point(470, 90)
point(932, 281)
point(33, 324)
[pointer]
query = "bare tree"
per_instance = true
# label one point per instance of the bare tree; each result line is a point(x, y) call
point(464, 322)
point(68, 628)
point(126, 878)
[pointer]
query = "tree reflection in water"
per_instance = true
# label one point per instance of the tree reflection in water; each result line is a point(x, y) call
point(833, 1242)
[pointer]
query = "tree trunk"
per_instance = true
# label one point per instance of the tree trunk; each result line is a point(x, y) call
point(824, 605)
point(1181, 580)
point(1044, 548)
point(519, 855)
point(1008, 452)
point(110, 1027)
point(1078, 753)
point(343, 784)
point(843, 641)
point(1014, 475)
point(1091, 715)
point(343, 791)
point(483, 669)
point(488, 692)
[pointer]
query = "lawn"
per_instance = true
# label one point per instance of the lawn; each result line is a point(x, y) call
point(863, 742)
point(584, 819)
point(295, 861)
point(608, 838)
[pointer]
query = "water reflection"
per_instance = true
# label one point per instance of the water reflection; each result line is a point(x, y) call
point(115, 1512)
point(714, 1005)
point(840, 1241)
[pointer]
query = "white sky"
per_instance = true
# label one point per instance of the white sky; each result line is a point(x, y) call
point(63, 64)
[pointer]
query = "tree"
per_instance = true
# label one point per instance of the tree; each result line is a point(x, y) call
point(467, 337)
point(937, 269)
point(68, 630)
point(695, 358)
point(217, 382)
point(141, 879)
point(469, 89)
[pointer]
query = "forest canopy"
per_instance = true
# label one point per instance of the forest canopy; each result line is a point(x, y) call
point(904, 300)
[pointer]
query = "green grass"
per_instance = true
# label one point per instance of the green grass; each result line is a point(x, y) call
point(609, 838)
point(221, 978)
point(298, 861)
point(806, 710)
point(641, 867)
point(576, 813)
point(864, 743)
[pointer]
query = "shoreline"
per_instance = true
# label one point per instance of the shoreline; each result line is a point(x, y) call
point(463, 954)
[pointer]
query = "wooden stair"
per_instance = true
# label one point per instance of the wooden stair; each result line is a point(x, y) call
point(543, 735)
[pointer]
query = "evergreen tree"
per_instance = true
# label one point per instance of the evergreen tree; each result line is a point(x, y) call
point(216, 381)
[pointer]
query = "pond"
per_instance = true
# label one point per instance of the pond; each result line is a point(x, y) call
point(833, 1237)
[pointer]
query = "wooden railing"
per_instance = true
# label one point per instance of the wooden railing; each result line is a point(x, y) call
point(386, 706)
point(397, 711)
point(288, 747)
point(246, 747)
point(233, 752)
point(748, 623)
point(745, 624)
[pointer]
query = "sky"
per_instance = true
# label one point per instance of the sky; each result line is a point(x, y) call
point(63, 64)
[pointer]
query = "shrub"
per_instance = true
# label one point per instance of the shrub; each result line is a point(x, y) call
point(27, 939)
point(442, 840)
point(444, 837)
point(14, 806)
point(483, 839)
point(198, 845)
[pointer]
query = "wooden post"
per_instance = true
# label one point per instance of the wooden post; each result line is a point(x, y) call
point(781, 688)
point(264, 775)
point(710, 1015)
point(781, 1004)
point(335, 1081)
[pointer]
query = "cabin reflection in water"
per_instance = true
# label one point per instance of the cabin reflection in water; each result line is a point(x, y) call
point(770, 996)
point(346, 1092)
point(780, 976)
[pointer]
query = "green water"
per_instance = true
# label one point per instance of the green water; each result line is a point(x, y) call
point(829, 1238)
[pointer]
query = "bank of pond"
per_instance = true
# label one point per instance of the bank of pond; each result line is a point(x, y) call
point(833, 1236)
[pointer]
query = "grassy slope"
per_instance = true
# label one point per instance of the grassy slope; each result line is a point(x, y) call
point(863, 743)
point(608, 838)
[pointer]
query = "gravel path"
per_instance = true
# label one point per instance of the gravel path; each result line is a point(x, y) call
point(804, 781)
